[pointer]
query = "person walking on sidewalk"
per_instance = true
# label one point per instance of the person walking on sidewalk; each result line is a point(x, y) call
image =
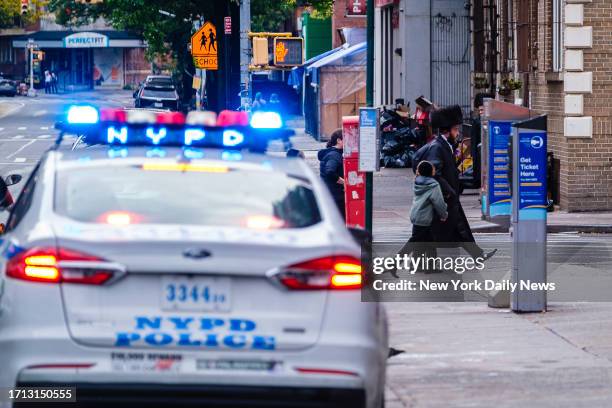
point(47, 82)
point(427, 204)
point(440, 152)
point(331, 168)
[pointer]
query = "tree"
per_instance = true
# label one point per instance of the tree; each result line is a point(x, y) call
point(10, 13)
point(265, 18)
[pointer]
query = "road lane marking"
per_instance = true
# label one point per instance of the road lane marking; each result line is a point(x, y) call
point(1, 129)
point(10, 156)
point(18, 106)
point(40, 112)
point(18, 137)
point(44, 136)
point(21, 128)
point(44, 128)
point(20, 160)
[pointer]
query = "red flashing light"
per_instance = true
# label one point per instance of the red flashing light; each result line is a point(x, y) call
point(113, 115)
point(232, 118)
point(171, 118)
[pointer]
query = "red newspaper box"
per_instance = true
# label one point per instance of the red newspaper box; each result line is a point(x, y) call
point(354, 181)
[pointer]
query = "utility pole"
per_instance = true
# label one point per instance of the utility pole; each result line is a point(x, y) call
point(369, 181)
point(31, 91)
point(245, 55)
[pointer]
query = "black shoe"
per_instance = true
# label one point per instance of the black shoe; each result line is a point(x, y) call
point(488, 255)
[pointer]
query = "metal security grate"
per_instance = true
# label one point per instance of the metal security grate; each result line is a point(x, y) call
point(450, 59)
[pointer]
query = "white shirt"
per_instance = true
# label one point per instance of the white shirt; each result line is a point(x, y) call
point(448, 143)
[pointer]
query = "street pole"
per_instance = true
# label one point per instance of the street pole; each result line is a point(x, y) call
point(245, 28)
point(369, 181)
point(31, 91)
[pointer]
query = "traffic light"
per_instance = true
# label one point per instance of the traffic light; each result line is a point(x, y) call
point(288, 52)
point(38, 55)
point(260, 51)
point(25, 6)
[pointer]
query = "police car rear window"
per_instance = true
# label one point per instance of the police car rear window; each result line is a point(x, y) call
point(167, 193)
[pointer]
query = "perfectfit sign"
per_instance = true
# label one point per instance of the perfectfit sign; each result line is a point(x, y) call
point(86, 40)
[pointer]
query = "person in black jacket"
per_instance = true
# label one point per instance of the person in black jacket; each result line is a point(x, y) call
point(441, 152)
point(332, 169)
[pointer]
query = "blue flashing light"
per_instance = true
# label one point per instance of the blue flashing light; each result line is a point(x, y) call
point(156, 137)
point(193, 135)
point(232, 138)
point(114, 153)
point(266, 120)
point(157, 152)
point(229, 155)
point(193, 154)
point(112, 134)
point(82, 115)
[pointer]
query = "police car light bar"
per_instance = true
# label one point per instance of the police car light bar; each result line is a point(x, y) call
point(266, 120)
point(134, 127)
point(82, 115)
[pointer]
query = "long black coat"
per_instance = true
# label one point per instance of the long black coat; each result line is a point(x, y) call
point(331, 170)
point(456, 228)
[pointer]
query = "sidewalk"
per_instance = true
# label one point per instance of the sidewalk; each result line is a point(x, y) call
point(393, 199)
point(466, 355)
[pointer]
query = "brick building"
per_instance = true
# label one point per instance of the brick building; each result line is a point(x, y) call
point(347, 14)
point(561, 52)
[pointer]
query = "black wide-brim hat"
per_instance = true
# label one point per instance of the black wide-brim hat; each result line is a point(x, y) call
point(446, 118)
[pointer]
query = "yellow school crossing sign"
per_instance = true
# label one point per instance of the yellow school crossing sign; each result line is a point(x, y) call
point(204, 47)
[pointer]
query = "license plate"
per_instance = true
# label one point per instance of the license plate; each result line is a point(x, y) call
point(159, 104)
point(196, 293)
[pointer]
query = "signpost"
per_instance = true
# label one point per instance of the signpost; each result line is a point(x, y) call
point(227, 25)
point(369, 157)
point(499, 185)
point(529, 202)
point(31, 45)
point(204, 47)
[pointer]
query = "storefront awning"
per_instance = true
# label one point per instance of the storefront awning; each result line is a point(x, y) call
point(80, 39)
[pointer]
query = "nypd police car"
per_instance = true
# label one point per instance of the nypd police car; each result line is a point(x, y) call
point(168, 259)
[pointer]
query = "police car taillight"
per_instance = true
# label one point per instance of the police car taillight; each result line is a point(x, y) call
point(62, 265)
point(333, 272)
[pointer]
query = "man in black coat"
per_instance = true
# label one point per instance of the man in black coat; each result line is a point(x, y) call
point(441, 152)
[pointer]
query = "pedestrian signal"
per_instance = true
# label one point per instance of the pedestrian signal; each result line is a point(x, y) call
point(260, 51)
point(288, 52)
point(204, 47)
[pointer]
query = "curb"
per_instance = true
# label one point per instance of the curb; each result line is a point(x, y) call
point(552, 228)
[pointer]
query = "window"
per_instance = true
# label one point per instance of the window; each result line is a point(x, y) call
point(201, 195)
point(6, 52)
point(557, 35)
point(24, 202)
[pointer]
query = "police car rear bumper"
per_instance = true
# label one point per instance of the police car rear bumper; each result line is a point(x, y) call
point(137, 394)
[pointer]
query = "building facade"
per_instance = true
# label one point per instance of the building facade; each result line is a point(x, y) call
point(90, 57)
point(560, 52)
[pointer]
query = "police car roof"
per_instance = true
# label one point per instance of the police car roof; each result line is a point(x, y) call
point(97, 153)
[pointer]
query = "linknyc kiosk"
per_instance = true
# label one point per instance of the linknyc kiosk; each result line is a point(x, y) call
point(514, 190)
